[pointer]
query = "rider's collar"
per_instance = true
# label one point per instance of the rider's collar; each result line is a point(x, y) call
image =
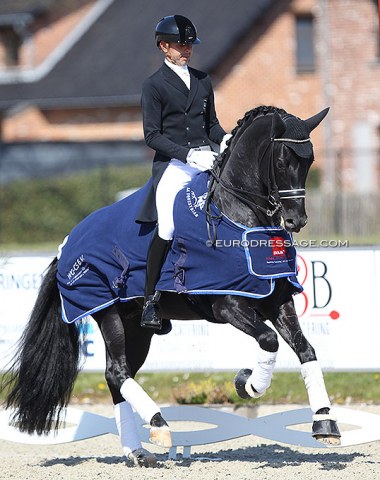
point(178, 69)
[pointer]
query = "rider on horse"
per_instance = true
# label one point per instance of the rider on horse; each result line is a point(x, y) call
point(179, 122)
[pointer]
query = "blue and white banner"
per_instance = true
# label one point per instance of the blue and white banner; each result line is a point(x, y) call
point(337, 312)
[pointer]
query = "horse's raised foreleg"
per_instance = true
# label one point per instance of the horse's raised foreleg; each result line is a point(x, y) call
point(127, 346)
point(239, 312)
point(325, 427)
point(254, 383)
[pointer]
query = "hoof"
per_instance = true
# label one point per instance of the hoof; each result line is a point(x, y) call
point(142, 458)
point(240, 381)
point(243, 386)
point(331, 441)
point(325, 429)
point(161, 436)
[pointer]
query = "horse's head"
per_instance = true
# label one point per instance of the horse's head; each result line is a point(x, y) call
point(261, 180)
point(292, 157)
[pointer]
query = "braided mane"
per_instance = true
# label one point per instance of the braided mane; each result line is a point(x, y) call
point(215, 173)
point(244, 123)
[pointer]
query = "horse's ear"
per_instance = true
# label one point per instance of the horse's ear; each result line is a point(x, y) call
point(278, 125)
point(314, 121)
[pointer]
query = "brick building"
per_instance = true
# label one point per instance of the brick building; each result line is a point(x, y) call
point(71, 71)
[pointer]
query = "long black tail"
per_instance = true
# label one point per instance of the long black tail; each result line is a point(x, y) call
point(41, 378)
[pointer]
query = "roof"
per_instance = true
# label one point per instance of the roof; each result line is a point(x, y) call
point(108, 62)
point(35, 6)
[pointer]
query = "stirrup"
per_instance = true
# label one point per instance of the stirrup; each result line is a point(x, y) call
point(151, 315)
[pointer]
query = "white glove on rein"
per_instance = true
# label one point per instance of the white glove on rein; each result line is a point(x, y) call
point(201, 159)
point(223, 143)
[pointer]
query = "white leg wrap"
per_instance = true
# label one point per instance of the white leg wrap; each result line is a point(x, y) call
point(126, 426)
point(261, 377)
point(315, 386)
point(139, 400)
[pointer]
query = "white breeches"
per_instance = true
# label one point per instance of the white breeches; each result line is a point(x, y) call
point(176, 175)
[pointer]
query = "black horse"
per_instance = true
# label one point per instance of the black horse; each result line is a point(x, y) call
point(258, 181)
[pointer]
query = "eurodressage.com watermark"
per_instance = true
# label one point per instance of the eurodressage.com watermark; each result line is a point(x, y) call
point(278, 242)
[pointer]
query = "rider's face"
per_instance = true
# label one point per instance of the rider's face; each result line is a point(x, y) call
point(177, 53)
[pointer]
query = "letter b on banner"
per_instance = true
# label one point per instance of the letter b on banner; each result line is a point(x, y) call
point(322, 290)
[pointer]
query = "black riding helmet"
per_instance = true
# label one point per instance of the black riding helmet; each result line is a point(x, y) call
point(176, 29)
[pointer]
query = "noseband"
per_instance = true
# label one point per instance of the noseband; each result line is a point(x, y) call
point(293, 193)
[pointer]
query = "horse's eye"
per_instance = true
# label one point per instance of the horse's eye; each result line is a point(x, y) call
point(281, 164)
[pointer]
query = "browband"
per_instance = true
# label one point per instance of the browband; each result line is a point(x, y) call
point(292, 140)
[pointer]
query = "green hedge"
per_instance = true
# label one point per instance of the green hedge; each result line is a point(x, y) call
point(218, 387)
point(45, 210)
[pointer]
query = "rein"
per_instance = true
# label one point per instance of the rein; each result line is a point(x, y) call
point(273, 199)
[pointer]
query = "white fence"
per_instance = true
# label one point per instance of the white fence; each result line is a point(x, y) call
point(338, 311)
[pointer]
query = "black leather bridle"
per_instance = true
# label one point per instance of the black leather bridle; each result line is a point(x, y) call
point(273, 199)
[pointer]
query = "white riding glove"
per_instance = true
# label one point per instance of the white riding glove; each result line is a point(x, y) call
point(223, 143)
point(201, 159)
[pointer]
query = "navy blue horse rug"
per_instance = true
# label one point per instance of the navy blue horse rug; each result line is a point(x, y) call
point(103, 260)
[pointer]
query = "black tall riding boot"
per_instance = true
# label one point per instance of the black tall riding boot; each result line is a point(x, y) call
point(151, 315)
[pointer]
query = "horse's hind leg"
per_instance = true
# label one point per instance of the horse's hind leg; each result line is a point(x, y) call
point(127, 346)
point(325, 428)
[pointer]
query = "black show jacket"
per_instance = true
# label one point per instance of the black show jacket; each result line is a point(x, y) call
point(176, 119)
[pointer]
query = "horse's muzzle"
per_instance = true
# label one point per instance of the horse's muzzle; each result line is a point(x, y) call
point(295, 224)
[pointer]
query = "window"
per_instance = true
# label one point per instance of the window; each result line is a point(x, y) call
point(11, 42)
point(377, 33)
point(377, 26)
point(378, 159)
point(305, 55)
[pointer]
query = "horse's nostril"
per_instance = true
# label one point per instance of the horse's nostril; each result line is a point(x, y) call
point(295, 226)
point(289, 222)
point(292, 226)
